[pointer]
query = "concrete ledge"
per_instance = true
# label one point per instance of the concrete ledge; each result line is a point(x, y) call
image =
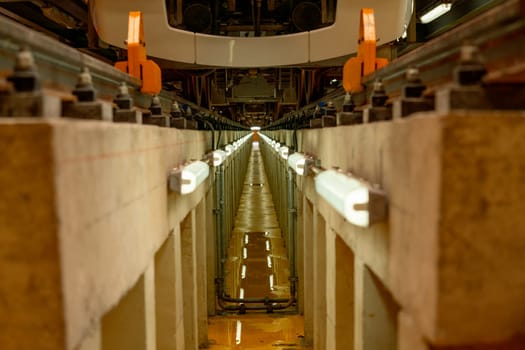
point(84, 207)
point(457, 236)
point(451, 253)
point(30, 293)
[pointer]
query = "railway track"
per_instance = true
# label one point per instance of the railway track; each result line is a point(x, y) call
point(58, 67)
point(499, 34)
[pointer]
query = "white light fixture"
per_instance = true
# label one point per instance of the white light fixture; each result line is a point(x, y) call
point(299, 162)
point(245, 253)
point(255, 128)
point(219, 156)
point(271, 281)
point(277, 146)
point(269, 261)
point(246, 239)
point(243, 272)
point(185, 178)
point(267, 243)
point(241, 293)
point(435, 12)
point(357, 201)
point(284, 151)
point(229, 149)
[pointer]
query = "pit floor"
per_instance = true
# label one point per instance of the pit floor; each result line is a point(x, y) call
point(257, 266)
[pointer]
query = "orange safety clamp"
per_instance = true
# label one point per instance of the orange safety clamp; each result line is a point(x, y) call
point(366, 61)
point(137, 64)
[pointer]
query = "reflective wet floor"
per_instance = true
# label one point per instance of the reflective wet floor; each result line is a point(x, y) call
point(257, 331)
point(257, 267)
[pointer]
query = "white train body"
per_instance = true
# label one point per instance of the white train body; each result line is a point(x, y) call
point(163, 41)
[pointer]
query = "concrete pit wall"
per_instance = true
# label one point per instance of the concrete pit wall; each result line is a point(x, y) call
point(93, 243)
point(444, 270)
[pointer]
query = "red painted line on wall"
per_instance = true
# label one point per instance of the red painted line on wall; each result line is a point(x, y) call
point(103, 156)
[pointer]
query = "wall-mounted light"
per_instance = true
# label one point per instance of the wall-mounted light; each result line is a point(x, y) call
point(277, 146)
point(360, 203)
point(284, 151)
point(219, 156)
point(300, 163)
point(435, 12)
point(185, 178)
point(229, 149)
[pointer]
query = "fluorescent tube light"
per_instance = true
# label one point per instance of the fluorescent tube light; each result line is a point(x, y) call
point(435, 12)
point(365, 206)
point(284, 151)
point(185, 178)
point(333, 186)
point(299, 162)
point(255, 128)
point(219, 156)
point(354, 199)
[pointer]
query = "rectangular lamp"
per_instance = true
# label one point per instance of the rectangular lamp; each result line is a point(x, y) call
point(357, 201)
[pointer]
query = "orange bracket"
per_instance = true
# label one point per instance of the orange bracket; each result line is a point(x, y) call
point(366, 61)
point(137, 64)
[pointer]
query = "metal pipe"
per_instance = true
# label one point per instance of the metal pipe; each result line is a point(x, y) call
point(219, 137)
point(220, 219)
point(292, 216)
point(210, 125)
point(254, 300)
point(238, 166)
point(270, 304)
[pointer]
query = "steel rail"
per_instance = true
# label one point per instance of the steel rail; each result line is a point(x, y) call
point(59, 65)
point(499, 33)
